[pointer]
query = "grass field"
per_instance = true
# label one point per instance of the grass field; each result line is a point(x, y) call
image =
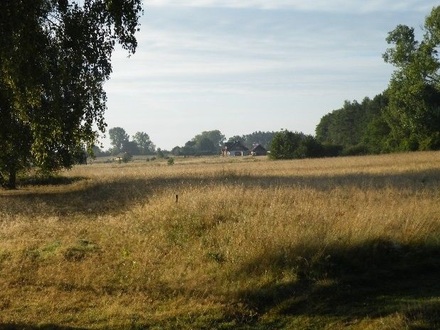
point(222, 243)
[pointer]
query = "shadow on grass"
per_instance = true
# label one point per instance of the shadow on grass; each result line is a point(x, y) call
point(82, 196)
point(56, 180)
point(375, 279)
point(86, 198)
point(19, 326)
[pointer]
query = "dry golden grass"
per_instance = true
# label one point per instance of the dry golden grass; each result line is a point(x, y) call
point(250, 243)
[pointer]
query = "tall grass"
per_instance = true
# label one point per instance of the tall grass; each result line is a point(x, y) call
point(332, 243)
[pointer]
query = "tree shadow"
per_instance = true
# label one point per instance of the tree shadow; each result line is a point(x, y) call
point(89, 197)
point(374, 279)
point(56, 180)
point(412, 181)
point(19, 326)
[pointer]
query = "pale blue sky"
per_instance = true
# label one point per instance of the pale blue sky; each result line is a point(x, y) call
point(241, 66)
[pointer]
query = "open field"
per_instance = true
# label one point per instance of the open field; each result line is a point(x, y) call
point(342, 243)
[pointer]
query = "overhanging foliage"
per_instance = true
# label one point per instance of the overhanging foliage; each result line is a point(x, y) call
point(54, 59)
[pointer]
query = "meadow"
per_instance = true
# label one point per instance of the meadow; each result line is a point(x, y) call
point(225, 243)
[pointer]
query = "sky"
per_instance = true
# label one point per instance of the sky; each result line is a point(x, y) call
point(241, 66)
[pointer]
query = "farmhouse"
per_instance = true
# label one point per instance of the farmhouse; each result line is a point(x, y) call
point(258, 150)
point(235, 148)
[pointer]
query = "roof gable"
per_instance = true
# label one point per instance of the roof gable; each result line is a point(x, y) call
point(259, 148)
point(235, 146)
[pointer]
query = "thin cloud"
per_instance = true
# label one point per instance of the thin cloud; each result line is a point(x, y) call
point(354, 6)
point(266, 53)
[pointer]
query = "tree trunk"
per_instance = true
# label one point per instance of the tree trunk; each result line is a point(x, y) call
point(12, 179)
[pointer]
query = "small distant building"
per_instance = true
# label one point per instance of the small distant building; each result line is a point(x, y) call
point(258, 150)
point(235, 148)
point(123, 157)
point(119, 157)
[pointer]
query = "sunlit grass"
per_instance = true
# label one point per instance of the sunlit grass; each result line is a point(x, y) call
point(247, 243)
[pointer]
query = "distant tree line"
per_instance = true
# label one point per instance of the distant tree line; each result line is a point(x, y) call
point(121, 143)
point(259, 137)
point(203, 144)
point(211, 142)
point(297, 145)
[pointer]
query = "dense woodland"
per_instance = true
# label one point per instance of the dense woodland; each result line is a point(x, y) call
point(357, 128)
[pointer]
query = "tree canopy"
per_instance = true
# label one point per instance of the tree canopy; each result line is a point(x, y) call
point(257, 137)
point(413, 113)
point(118, 138)
point(144, 143)
point(357, 128)
point(294, 145)
point(205, 143)
point(55, 56)
point(120, 141)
